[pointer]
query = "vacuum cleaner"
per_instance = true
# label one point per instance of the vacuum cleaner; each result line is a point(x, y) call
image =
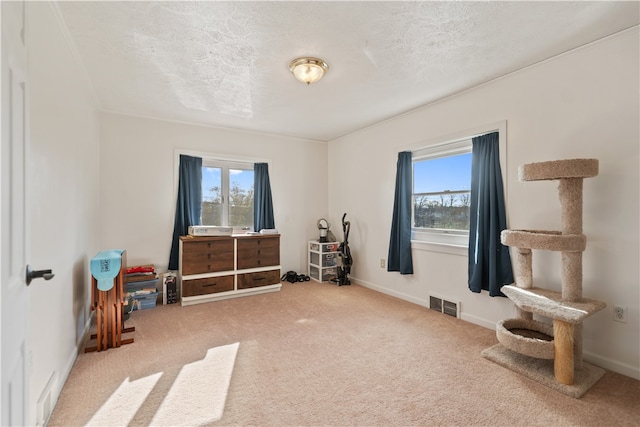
point(345, 255)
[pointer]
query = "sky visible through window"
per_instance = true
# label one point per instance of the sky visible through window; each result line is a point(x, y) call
point(211, 177)
point(441, 174)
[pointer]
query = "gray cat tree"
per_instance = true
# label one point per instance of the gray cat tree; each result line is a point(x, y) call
point(550, 353)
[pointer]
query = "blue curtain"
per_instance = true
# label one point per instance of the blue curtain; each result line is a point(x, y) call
point(400, 241)
point(489, 260)
point(189, 203)
point(262, 202)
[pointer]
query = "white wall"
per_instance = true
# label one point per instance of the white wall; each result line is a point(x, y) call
point(583, 104)
point(62, 199)
point(137, 195)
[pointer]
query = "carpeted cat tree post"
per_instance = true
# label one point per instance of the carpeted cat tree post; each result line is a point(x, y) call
point(550, 354)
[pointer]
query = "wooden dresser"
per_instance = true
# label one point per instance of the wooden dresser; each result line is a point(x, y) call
point(215, 268)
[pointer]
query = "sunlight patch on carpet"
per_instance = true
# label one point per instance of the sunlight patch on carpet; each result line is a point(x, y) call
point(199, 393)
point(125, 402)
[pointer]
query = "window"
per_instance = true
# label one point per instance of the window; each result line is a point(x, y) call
point(227, 194)
point(442, 192)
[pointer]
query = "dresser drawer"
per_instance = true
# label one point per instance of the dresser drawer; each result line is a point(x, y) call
point(209, 285)
point(258, 258)
point(200, 257)
point(258, 252)
point(253, 243)
point(262, 278)
point(198, 245)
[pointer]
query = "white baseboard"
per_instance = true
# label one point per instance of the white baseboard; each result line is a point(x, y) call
point(594, 359)
point(612, 365)
point(424, 303)
point(478, 321)
point(392, 293)
point(71, 360)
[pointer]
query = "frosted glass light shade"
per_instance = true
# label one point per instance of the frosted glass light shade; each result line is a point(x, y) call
point(308, 70)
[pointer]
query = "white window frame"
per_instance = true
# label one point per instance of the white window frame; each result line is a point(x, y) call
point(455, 242)
point(206, 158)
point(439, 235)
point(225, 185)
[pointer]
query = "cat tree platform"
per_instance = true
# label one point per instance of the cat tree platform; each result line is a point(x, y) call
point(558, 169)
point(527, 336)
point(549, 303)
point(542, 370)
point(546, 240)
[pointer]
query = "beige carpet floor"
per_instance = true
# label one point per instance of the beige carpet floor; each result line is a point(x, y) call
point(319, 355)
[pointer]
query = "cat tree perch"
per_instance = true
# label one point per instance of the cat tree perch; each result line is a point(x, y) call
point(562, 341)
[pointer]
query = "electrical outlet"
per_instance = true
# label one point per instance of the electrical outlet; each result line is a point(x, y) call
point(381, 262)
point(620, 313)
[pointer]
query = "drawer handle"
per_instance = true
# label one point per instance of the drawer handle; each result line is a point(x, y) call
point(259, 278)
point(259, 262)
point(209, 244)
point(209, 256)
point(207, 285)
point(258, 251)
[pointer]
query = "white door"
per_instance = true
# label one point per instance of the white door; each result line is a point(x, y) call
point(13, 289)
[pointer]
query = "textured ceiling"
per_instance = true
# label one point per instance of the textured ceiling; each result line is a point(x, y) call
point(226, 63)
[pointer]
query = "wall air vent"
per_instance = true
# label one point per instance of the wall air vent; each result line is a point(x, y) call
point(45, 405)
point(443, 306)
point(450, 308)
point(435, 304)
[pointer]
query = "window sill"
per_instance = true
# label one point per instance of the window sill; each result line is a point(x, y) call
point(445, 248)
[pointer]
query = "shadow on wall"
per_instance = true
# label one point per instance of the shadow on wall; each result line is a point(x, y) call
point(80, 296)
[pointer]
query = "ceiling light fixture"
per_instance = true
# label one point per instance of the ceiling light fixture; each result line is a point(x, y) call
point(308, 70)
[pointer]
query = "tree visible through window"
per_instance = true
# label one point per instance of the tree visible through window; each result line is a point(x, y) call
point(227, 194)
point(442, 190)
